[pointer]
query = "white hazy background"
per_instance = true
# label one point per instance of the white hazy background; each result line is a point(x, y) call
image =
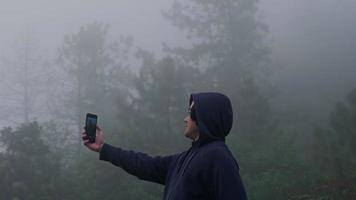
point(303, 35)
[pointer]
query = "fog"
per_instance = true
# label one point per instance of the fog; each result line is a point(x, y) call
point(314, 43)
point(58, 61)
point(51, 20)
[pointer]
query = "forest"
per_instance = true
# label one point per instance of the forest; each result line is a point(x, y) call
point(294, 129)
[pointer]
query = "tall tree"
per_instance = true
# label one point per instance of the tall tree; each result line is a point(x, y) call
point(92, 67)
point(338, 142)
point(163, 87)
point(334, 152)
point(28, 169)
point(228, 44)
point(22, 82)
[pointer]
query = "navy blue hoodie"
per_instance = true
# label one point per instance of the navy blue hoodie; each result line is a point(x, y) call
point(207, 170)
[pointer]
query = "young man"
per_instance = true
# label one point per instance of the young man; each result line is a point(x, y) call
point(207, 170)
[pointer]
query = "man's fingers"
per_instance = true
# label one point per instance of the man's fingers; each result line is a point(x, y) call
point(85, 137)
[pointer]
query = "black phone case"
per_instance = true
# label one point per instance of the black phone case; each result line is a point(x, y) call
point(90, 126)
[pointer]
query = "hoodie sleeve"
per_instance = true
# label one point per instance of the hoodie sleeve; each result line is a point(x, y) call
point(225, 178)
point(141, 165)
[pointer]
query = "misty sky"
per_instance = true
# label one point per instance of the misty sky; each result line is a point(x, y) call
point(304, 34)
point(292, 23)
point(305, 27)
point(51, 20)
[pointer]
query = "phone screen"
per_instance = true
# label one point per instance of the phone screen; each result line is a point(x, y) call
point(90, 126)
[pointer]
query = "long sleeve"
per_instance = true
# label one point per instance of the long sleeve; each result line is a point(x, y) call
point(141, 165)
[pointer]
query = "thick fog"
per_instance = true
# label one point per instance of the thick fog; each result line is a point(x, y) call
point(51, 20)
point(312, 41)
point(46, 23)
point(290, 70)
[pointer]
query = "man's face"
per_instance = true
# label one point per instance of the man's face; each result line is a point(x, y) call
point(191, 128)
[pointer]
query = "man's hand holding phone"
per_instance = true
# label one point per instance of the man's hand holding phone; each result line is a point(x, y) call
point(99, 140)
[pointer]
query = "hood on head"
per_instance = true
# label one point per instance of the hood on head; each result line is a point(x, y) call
point(214, 115)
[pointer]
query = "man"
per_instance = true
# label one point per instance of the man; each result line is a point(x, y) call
point(207, 170)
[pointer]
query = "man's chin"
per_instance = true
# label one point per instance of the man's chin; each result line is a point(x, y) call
point(188, 136)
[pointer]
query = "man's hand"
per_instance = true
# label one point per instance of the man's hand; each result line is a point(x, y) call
point(99, 140)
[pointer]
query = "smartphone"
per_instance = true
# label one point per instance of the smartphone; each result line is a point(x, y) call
point(90, 126)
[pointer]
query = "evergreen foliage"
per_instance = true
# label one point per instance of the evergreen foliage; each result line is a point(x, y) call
point(28, 169)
